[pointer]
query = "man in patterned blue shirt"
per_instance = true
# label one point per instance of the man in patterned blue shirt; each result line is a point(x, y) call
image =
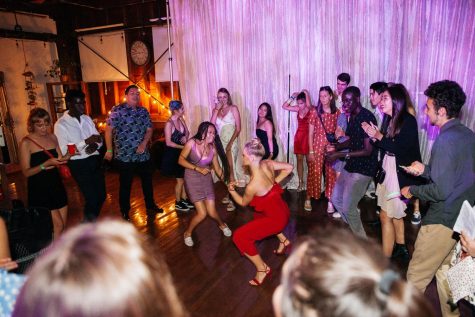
point(129, 130)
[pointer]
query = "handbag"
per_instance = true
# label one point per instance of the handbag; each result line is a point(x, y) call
point(461, 276)
point(380, 172)
point(64, 170)
point(331, 138)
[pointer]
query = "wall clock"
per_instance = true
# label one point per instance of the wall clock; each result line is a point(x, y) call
point(139, 53)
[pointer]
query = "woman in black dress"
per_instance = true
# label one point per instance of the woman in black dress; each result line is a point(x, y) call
point(176, 135)
point(265, 131)
point(45, 187)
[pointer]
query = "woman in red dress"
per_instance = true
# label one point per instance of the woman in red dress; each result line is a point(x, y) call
point(301, 148)
point(272, 213)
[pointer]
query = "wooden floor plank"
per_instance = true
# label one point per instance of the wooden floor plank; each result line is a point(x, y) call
point(212, 277)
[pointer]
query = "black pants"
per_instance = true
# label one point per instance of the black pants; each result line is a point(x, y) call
point(126, 172)
point(90, 178)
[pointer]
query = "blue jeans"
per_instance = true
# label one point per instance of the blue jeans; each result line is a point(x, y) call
point(348, 191)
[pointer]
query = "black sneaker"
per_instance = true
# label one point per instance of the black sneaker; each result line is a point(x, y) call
point(181, 206)
point(154, 210)
point(400, 251)
point(416, 218)
point(187, 203)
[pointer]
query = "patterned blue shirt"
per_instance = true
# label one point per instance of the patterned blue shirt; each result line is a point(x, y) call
point(10, 285)
point(129, 127)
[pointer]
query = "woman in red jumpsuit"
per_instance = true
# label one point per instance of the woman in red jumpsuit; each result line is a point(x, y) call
point(272, 213)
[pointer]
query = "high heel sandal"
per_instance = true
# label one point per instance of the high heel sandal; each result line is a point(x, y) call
point(267, 271)
point(286, 248)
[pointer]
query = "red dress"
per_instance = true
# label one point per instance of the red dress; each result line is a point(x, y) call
point(270, 218)
point(301, 136)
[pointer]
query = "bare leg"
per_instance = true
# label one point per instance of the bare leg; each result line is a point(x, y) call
point(300, 170)
point(399, 230)
point(387, 230)
point(197, 218)
point(59, 222)
point(211, 211)
point(178, 188)
point(283, 242)
point(229, 156)
point(261, 267)
point(183, 194)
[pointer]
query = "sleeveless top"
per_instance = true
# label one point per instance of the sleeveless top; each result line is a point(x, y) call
point(196, 158)
point(303, 122)
point(177, 135)
point(227, 119)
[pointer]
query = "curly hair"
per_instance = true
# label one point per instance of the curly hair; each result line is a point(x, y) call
point(447, 94)
point(334, 273)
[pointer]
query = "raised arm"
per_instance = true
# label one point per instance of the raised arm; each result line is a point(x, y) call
point(287, 105)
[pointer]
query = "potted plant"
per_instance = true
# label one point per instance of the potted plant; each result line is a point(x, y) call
point(61, 69)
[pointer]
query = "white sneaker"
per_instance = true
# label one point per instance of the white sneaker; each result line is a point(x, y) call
point(226, 200)
point(330, 208)
point(308, 205)
point(226, 231)
point(231, 206)
point(336, 215)
point(189, 241)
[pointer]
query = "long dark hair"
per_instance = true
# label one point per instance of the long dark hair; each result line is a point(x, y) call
point(332, 101)
point(399, 101)
point(268, 115)
point(201, 135)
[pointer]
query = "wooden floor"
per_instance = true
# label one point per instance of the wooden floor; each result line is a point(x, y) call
point(212, 277)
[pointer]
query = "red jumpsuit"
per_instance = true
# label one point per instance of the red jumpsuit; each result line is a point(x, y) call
point(270, 218)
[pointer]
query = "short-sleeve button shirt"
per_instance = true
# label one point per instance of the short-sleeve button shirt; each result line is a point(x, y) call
point(129, 127)
point(365, 165)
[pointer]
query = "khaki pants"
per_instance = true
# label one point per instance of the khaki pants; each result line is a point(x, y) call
point(432, 253)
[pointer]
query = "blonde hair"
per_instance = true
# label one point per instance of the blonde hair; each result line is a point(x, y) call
point(255, 147)
point(336, 273)
point(34, 115)
point(99, 269)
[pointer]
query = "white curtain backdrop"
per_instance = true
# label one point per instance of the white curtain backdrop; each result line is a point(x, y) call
point(251, 48)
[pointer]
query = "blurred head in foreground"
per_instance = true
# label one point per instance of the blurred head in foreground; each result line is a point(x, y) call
point(99, 269)
point(334, 273)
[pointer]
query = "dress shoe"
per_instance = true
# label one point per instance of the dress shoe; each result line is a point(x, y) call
point(154, 210)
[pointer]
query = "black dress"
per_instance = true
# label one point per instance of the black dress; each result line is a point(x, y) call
point(46, 188)
point(262, 135)
point(170, 166)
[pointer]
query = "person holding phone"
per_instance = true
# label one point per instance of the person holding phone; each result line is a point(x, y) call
point(400, 146)
point(44, 184)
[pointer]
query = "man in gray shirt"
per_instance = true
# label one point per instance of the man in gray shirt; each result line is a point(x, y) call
point(451, 174)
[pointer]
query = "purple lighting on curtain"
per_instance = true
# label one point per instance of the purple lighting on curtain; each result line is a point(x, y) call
point(251, 47)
